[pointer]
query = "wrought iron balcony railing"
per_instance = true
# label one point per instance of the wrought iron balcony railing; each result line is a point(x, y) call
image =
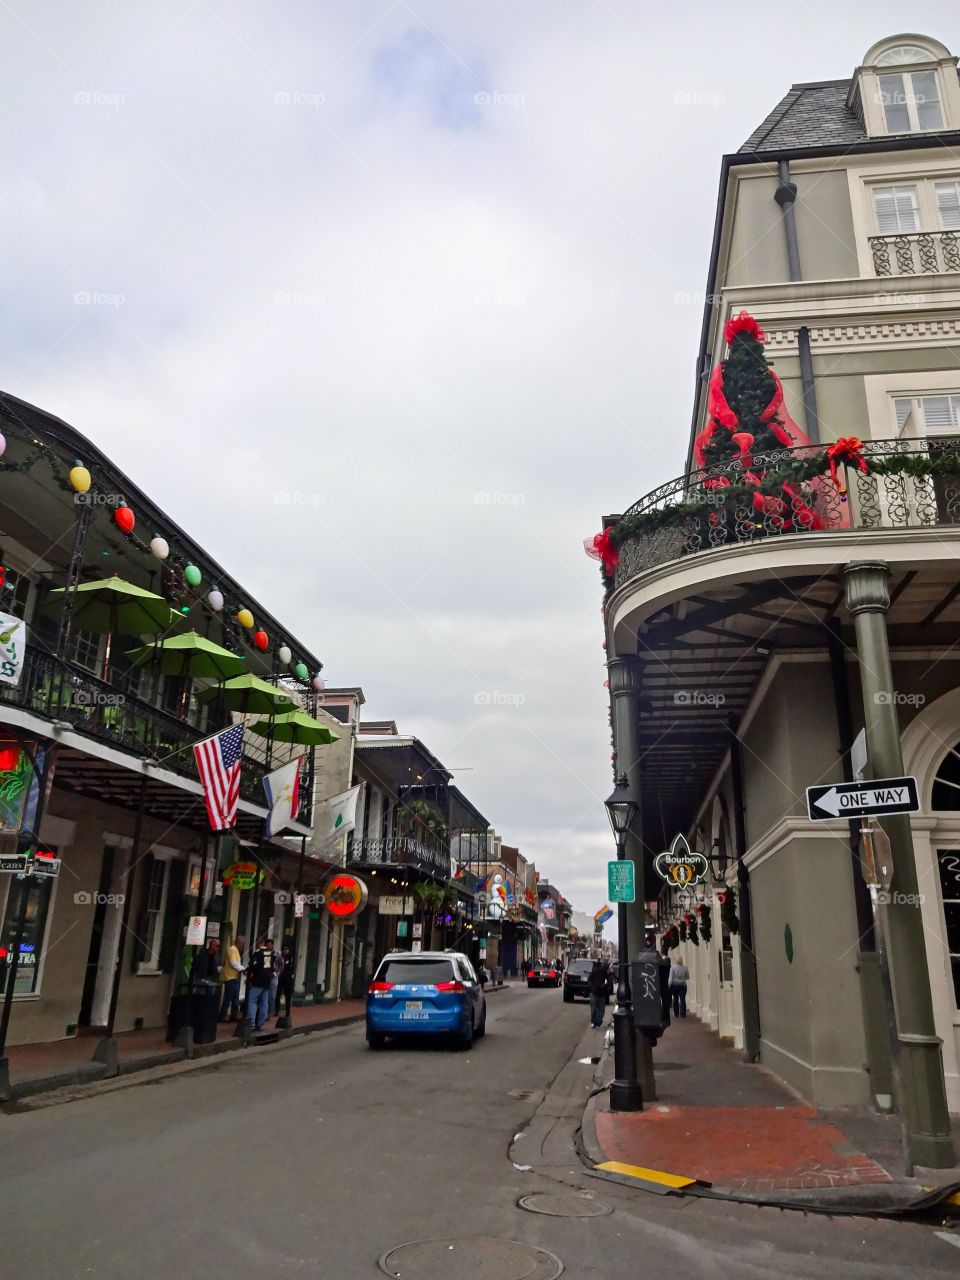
point(398, 851)
point(916, 253)
point(59, 691)
point(906, 484)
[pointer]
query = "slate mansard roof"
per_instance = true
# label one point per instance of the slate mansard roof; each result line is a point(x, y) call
point(810, 115)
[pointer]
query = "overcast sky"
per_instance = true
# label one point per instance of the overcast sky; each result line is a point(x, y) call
point(386, 304)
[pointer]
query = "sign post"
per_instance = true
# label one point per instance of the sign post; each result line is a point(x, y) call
point(862, 799)
point(621, 881)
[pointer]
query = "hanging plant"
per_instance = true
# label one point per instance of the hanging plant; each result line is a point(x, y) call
point(690, 920)
point(670, 940)
point(728, 910)
point(706, 922)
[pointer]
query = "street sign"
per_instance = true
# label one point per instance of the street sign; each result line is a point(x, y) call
point(862, 799)
point(12, 863)
point(621, 881)
point(196, 931)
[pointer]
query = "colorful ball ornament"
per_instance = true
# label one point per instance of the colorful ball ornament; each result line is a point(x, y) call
point(245, 618)
point(300, 671)
point(159, 547)
point(80, 477)
point(261, 639)
point(215, 600)
point(125, 519)
point(192, 575)
point(318, 682)
point(284, 654)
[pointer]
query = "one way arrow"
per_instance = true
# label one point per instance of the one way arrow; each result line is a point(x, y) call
point(854, 800)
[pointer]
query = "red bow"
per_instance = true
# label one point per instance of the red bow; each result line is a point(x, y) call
point(602, 549)
point(743, 323)
point(850, 450)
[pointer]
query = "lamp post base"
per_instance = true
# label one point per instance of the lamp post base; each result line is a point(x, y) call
point(626, 1092)
point(625, 1095)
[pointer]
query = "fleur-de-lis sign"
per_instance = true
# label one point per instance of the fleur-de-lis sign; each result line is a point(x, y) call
point(680, 865)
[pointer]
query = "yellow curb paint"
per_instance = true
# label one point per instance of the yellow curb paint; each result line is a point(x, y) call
point(649, 1175)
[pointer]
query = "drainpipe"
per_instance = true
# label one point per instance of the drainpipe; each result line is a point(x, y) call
point(748, 958)
point(785, 196)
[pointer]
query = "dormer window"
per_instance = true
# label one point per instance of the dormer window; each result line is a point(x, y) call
point(907, 85)
point(911, 101)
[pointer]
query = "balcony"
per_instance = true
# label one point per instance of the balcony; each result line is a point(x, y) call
point(907, 484)
point(61, 692)
point(916, 253)
point(400, 851)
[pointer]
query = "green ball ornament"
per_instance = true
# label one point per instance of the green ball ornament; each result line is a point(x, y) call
point(192, 575)
point(301, 671)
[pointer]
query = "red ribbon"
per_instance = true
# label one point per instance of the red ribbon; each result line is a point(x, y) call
point(849, 449)
point(606, 552)
point(743, 323)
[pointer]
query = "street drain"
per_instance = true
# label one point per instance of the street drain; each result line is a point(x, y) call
point(561, 1206)
point(481, 1259)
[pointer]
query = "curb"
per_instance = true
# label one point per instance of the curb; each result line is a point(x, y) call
point(83, 1081)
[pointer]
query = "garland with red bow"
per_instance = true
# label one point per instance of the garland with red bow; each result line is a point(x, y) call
point(849, 450)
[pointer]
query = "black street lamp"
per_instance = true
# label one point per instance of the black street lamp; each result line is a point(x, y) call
point(625, 1091)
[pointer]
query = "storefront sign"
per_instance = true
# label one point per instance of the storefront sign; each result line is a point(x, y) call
point(402, 927)
point(13, 643)
point(680, 865)
point(16, 775)
point(243, 875)
point(418, 930)
point(196, 931)
point(395, 904)
point(346, 896)
point(36, 862)
point(12, 863)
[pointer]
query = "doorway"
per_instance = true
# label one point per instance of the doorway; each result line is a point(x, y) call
point(103, 895)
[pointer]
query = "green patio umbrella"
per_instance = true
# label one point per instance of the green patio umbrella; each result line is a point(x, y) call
point(297, 727)
point(113, 606)
point(191, 655)
point(249, 695)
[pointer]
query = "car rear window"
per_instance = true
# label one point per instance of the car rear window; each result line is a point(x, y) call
point(419, 972)
point(580, 966)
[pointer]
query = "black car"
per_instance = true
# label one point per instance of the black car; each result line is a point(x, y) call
point(543, 974)
point(576, 979)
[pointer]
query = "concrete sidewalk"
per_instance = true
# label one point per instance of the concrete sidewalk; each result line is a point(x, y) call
point(732, 1124)
point(38, 1068)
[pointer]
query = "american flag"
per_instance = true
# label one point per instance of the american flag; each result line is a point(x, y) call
point(218, 762)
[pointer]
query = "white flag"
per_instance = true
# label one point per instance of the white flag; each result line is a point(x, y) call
point(283, 795)
point(13, 642)
point(342, 811)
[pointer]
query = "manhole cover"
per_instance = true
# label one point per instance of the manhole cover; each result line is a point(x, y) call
point(561, 1206)
point(470, 1260)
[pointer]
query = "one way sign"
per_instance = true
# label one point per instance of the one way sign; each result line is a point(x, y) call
point(863, 799)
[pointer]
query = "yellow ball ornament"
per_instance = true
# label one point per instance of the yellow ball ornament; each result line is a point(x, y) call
point(80, 477)
point(245, 618)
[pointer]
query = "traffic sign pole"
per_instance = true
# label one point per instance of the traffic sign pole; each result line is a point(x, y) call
point(923, 1100)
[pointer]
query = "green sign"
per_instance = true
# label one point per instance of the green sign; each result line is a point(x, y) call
point(621, 881)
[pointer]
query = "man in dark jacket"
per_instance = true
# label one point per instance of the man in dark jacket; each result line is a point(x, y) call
point(206, 963)
point(597, 983)
point(259, 978)
point(286, 980)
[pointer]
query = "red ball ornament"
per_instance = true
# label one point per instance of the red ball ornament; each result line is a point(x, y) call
point(125, 519)
point(260, 639)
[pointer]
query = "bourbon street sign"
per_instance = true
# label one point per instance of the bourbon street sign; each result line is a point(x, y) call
point(862, 799)
point(680, 865)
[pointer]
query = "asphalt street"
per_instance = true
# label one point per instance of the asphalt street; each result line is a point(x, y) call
point(318, 1156)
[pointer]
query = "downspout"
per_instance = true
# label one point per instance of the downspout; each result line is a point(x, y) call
point(748, 959)
point(785, 196)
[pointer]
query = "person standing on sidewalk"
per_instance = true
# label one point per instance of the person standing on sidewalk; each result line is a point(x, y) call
point(230, 976)
point(679, 977)
point(287, 979)
point(259, 980)
point(597, 983)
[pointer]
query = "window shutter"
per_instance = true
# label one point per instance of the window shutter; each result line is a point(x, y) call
point(896, 209)
point(173, 919)
point(938, 413)
point(139, 950)
point(948, 202)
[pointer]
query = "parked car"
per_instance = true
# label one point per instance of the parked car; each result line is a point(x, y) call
point(543, 974)
point(576, 980)
point(432, 992)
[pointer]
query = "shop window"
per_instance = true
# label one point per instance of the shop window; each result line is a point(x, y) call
point(31, 895)
point(948, 864)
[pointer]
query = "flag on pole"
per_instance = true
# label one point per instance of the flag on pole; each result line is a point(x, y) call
point(218, 763)
point(342, 811)
point(603, 915)
point(283, 795)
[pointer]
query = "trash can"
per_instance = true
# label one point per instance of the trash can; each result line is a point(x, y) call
point(179, 1015)
point(204, 1010)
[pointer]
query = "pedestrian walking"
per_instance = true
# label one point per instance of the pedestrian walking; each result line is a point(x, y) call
point(287, 979)
point(230, 976)
point(276, 968)
point(679, 977)
point(597, 983)
point(259, 978)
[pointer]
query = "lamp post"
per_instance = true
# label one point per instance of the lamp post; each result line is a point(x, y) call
point(625, 1091)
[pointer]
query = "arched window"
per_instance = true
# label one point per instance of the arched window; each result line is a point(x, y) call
point(946, 783)
point(904, 53)
point(906, 80)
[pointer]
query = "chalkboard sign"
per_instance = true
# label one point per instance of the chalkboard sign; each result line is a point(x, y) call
point(645, 988)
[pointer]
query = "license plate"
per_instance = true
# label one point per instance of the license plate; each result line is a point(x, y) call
point(414, 1017)
point(414, 1005)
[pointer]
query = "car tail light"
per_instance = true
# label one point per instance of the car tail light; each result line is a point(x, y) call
point(553, 973)
point(531, 974)
point(380, 986)
point(450, 986)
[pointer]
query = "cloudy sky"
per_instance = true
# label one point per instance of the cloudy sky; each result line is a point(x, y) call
point(387, 303)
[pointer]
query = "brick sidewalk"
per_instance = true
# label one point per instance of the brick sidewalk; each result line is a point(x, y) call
point(35, 1062)
point(732, 1123)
